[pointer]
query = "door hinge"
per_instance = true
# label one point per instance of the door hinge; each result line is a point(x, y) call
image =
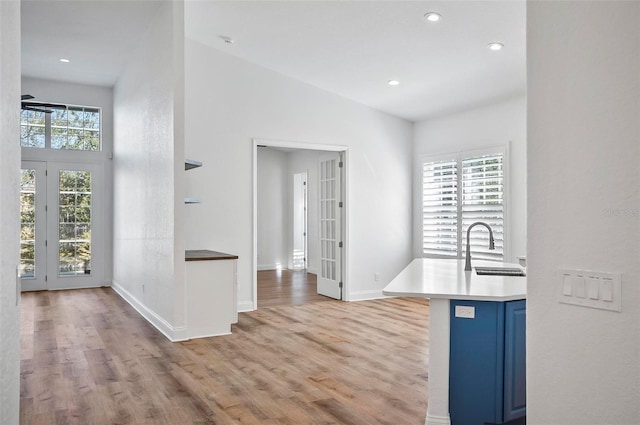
point(46, 208)
point(339, 284)
point(340, 164)
point(46, 243)
point(340, 204)
point(45, 277)
point(340, 244)
point(304, 183)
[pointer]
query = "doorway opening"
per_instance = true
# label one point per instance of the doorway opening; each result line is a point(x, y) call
point(300, 219)
point(299, 223)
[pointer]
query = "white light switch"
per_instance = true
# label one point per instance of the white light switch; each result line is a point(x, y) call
point(581, 287)
point(465, 311)
point(593, 288)
point(607, 290)
point(567, 285)
point(588, 288)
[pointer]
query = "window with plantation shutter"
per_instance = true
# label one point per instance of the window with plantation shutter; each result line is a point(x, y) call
point(457, 191)
point(440, 208)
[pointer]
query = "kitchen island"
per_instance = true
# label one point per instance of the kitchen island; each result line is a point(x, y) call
point(466, 309)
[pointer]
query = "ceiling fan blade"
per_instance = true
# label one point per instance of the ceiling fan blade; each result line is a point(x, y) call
point(26, 97)
point(36, 109)
point(45, 105)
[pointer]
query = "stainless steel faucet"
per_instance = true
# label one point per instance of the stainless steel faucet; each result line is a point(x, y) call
point(467, 264)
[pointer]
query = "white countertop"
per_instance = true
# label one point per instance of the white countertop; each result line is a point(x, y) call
point(436, 278)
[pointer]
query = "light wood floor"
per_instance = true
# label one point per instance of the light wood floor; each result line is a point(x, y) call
point(287, 287)
point(89, 358)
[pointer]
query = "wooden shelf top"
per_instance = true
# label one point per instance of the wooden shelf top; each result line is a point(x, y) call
point(206, 254)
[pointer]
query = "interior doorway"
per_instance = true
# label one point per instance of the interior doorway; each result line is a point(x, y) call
point(299, 222)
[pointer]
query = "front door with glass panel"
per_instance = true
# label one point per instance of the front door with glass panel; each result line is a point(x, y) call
point(33, 201)
point(61, 241)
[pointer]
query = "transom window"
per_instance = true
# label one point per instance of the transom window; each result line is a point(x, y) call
point(73, 128)
point(458, 190)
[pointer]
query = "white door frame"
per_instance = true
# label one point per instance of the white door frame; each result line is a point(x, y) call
point(345, 210)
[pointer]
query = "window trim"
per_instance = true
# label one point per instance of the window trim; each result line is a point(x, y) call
point(458, 156)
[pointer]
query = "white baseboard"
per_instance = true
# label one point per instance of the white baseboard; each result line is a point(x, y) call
point(437, 420)
point(267, 267)
point(366, 295)
point(208, 335)
point(173, 333)
point(244, 306)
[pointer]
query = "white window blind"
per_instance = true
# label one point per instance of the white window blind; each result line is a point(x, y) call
point(457, 192)
point(440, 208)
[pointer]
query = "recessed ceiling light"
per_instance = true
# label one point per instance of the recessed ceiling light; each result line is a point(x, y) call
point(65, 60)
point(432, 16)
point(495, 46)
point(393, 82)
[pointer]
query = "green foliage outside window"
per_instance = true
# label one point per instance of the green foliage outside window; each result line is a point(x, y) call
point(75, 222)
point(73, 128)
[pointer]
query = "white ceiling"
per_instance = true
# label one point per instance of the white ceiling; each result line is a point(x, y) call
point(351, 48)
point(97, 36)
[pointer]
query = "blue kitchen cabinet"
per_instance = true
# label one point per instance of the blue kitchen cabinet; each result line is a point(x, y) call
point(487, 378)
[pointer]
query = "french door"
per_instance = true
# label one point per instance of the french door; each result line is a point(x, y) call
point(62, 231)
point(330, 276)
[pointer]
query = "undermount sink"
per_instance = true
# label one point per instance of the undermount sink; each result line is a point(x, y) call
point(500, 271)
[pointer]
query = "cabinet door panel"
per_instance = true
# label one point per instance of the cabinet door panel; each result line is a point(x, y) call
point(515, 360)
point(476, 364)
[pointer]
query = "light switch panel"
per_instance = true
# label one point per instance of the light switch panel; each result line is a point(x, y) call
point(588, 288)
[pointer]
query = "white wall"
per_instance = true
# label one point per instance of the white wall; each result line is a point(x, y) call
point(273, 199)
point(583, 365)
point(230, 101)
point(148, 175)
point(9, 211)
point(503, 123)
point(82, 95)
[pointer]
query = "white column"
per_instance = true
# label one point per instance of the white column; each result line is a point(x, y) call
point(9, 211)
point(438, 404)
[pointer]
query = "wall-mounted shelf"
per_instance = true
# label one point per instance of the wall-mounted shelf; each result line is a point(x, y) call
point(190, 164)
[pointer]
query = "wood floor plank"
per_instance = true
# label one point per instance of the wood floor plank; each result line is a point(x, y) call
point(89, 358)
point(287, 287)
